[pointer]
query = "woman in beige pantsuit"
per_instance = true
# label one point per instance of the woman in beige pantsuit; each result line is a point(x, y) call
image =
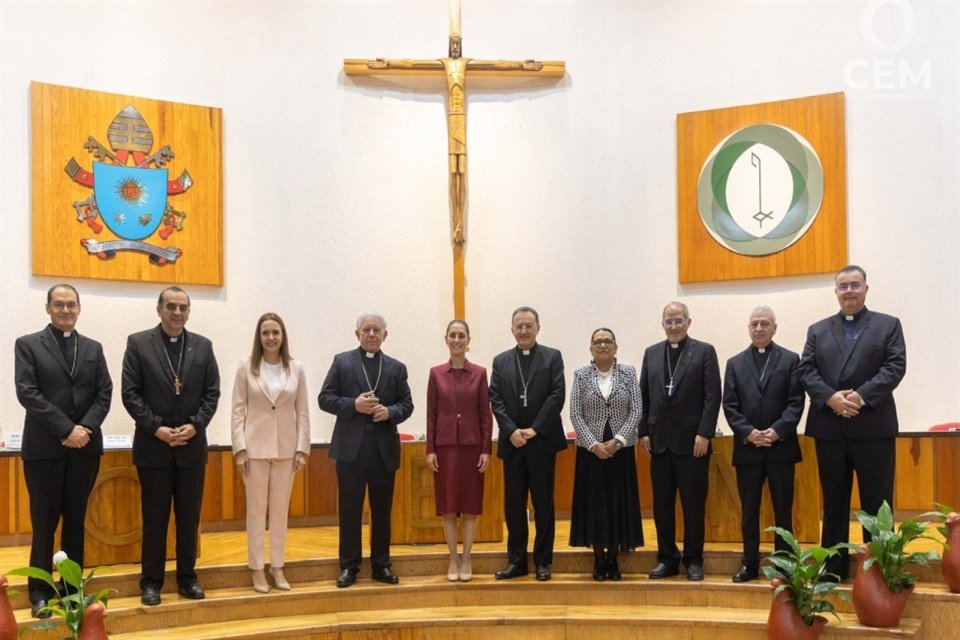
point(270, 429)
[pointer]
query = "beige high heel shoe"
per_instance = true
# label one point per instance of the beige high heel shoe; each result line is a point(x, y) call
point(260, 584)
point(453, 571)
point(278, 579)
point(466, 570)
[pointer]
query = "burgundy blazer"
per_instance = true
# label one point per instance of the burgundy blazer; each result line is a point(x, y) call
point(458, 413)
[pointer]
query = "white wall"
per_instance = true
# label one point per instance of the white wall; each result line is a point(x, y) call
point(572, 194)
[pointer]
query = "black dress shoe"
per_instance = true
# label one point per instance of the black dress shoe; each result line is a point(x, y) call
point(511, 571)
point(613, 570)
point(663, 571)
point(35, 610)
point(192, 591)
point(150, 596)
point(694, 571)
point(543, 572)
point(599, 570)
point(746, 574)
point(384, 575)
point(346, 578)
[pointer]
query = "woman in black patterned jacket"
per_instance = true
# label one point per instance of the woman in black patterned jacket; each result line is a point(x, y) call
point(605, 410)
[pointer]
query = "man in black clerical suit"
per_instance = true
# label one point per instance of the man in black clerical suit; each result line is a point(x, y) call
point(763, 401)
point(368, 392)
point(171, 387)
point(527, 392)
point(852, 361)
point(680, 389)
point(64, 386)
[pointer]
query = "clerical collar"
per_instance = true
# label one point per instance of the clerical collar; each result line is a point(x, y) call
point(761, 350)
point(170, 338)
point(57, 333)
point(526, 352)
point(370, 354)
point(678, 345)
point(854, 317)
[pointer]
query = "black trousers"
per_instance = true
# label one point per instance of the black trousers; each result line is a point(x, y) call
point(58, 488)
point(183, 486)
point(366, 475)
point(750, 477)
point(670, 473)
point(529, 473)
point(874, 461)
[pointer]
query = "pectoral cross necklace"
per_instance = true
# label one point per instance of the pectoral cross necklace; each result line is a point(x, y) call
point(523, 381)
point(672, 372)
point(177, 384)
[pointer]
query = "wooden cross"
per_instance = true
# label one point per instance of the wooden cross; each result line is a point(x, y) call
point(455, 69)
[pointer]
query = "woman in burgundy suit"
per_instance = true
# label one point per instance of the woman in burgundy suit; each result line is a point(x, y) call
point(459, 426)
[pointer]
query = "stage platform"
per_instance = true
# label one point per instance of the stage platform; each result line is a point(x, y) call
point(424, 605)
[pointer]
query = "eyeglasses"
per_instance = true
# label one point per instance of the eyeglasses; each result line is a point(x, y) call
point(849, 286)
point(604, 342)
point(674, 322)
point(60, 306)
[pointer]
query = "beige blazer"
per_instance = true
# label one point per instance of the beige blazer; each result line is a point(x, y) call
point(267, 427)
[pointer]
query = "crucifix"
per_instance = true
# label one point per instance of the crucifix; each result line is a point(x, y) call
point(455, 68)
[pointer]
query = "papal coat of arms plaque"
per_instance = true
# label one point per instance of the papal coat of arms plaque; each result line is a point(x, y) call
point(137, 194)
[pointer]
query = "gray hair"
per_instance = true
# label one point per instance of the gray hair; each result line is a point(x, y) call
point(765, 309)
point(677, 305)
point(371, 314)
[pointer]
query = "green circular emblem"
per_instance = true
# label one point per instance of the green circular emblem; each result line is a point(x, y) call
point(760, 190)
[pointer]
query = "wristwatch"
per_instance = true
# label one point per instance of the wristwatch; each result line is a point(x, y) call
point(619, 445)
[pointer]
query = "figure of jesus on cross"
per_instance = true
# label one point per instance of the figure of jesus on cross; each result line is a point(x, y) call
point(455, 68)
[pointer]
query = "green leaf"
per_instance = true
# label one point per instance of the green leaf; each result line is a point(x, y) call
point(71, 573)
point(36, 574)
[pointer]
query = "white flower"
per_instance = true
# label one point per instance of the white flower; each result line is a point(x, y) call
point(59, 557)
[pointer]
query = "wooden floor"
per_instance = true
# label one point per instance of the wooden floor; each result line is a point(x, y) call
point(425, 606)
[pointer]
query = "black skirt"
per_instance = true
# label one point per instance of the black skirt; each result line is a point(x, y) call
point(606, 501)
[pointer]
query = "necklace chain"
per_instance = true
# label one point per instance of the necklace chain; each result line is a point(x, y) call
point(373, 387)
point(177, 385)
point(672, 371)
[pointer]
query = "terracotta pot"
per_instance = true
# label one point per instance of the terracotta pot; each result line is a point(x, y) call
point(785, 623)
point(92, 626)
point(8, 623)
point(875, 604)
point(950, 564)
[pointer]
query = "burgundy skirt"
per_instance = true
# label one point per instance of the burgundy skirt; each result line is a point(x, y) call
point(459, 486)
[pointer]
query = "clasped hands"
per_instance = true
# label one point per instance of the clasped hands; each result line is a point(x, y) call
point(176, 436)
point(519, 436)
point(763, 437)
point(846, 403)
point(367, 403)
point(78, 438)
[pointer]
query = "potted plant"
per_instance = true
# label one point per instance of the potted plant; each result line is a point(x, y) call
point(81, 613)
point(950, 560)
point(801, 585)
point(882, 583)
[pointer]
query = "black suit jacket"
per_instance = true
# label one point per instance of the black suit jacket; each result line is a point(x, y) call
point(873, 366)
point(546, 388)
point(673, 422)
point(54, 401)
point(775, 402)
point(344, 382)
point(149, 397)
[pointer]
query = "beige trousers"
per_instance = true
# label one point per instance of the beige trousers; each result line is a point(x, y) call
point(268, 483)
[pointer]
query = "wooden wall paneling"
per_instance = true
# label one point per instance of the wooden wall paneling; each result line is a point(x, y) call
point(8, 506)
point(321, 483)
point(213, 488)
point(563, 486)
point(947, 470)
point(914, 466)
point(822, 249)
